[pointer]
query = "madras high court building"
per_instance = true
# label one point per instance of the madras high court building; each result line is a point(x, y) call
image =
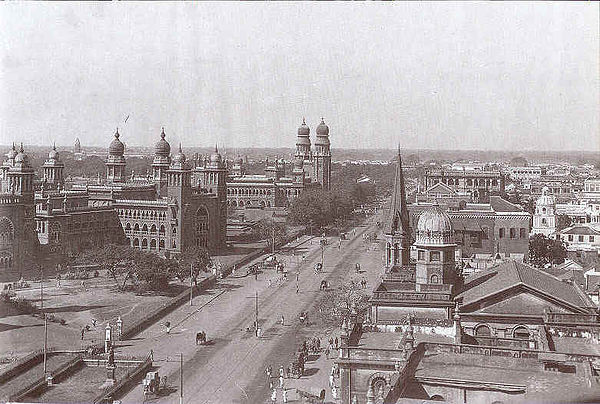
point(164, 214)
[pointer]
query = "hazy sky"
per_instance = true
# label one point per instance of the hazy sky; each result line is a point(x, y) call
point(502, 76)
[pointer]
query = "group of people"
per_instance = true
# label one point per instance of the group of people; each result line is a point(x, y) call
point(282, 376)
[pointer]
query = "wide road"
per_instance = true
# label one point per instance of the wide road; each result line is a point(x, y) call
point(231, 369)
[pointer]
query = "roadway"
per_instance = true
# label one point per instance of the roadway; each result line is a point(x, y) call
point(231, 368)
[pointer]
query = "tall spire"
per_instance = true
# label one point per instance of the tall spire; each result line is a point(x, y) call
point(398, 221)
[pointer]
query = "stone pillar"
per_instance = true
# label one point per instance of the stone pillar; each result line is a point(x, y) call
point(457, 331)
point(119, 328)
point(107, 338)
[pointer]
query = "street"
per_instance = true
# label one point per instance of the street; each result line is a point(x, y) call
point(231, 368)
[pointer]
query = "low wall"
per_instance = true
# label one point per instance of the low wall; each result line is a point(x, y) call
point(24, 363)
point(109, 393)
point(149, 319)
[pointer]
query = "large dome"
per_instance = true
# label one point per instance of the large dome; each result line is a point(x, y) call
point(116, 148)
point(434, 227)
point(162, 147)
point(303, 130)
point(322, 129)
point(53, 155)
point(22, 158)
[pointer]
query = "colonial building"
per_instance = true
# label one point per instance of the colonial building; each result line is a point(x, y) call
point(164, 214)
point(479, 184)
point(276, 188)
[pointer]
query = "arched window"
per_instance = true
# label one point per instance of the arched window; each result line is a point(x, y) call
point(544, 210)
point(483, 331)
point(127, 226)
point(521, 332)
point(544, 221)
point(136, 243)
point(469, 182)
point(162, 229)
point(153, 244)
point(136, 227)
point(161, 245)
point(201, 222)
point(437, 397)
point(434, 279)
point(174, 230)
point(153, 229)
point(396, 253)
point(145, 228)
point(144, 243)
point(388, 253)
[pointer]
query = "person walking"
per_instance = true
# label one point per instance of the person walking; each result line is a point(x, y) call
point(282, 320)
point(331, 381)
point(280, 382)
point(284, 393)
point(82, 332)
point(281, 371)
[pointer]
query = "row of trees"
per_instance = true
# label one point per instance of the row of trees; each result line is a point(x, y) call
point(124, 263)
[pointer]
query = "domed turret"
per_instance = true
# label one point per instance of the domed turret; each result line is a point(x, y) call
point(303, 130)
point(22, 158)
point(53, 155)
point(546, 199)
point(434, 228)
point(162, 147)
point(215, 157)
point(12, 153)
point(116, 148)
point(322, 129)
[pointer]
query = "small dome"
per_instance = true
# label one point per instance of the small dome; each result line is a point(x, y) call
point(303, 130)
point(179, 158)
point(434, 228)
point(322, 129)
point(21, 157)
point(162, 147)
point(546, 199)
point(116, 148)
point(215, 157)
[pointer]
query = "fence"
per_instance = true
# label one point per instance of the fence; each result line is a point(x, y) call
point(110, 392)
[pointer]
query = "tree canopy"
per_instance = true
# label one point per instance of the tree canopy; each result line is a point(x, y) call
point(544, 250)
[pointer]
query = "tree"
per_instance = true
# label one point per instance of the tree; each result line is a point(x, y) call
point(562, 222)
point(197, 257)
point(543, 251)
point(340, 302)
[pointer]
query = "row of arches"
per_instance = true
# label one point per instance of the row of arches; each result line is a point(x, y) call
point(144, 228)
point(241, 203)
point(248, 191)
point(469, 181)
point(519, 332)
point(142, 214)
point(7, 231)
point(6, 262)
point(145, 245)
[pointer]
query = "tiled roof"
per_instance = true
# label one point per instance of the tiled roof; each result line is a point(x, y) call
point(511, 274)
point(581, 230)
point(502, 205)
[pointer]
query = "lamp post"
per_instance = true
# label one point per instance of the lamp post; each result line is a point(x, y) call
point(191, 282)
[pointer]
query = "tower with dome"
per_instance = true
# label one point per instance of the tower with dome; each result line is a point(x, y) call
point(544, 217)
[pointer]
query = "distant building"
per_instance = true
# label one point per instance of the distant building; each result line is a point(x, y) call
point(525, 173)
point(480, 185)
point(581, 237)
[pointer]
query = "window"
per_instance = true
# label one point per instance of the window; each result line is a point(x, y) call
point(421, 255)
point(483, 331)
point(521, 333)
point(513, 232)
point(501, 232)
point(570, 237)
point(434, 279)
point(522, 233)
point(591, 239)
point(580, 238)
point(435, 256)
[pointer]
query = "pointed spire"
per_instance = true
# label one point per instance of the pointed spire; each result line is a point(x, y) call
point(21, 150)
point(180, 151)
point(14, 148)
point(398, 221)
point(303, 120)
point(216, 148)
point(117, 133)
point(162, 134)
point(54, 145)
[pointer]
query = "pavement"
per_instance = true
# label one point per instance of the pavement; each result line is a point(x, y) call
point(230, 369)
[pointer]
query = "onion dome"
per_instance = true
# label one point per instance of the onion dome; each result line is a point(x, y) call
point(53, 155)
point(322, 134)
point(162, 147)
point(303, 130)
point(546, 199)
point(434, 228)
point(179, 158)
point(116, 148)
point(322, 129)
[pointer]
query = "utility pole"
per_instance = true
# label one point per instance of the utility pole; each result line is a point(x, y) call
point(45, 341)
point(42, 288)
point(273, 232)
point(256, 311)
point(191, 283)
point(181, 378)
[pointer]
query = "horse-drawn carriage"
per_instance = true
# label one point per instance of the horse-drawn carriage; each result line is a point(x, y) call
point(311, 397)
point(201, 338)
point(152, 383)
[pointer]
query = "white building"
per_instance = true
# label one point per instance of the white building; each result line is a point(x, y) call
point(581, 237)
point(525, 173)
point(544, 218)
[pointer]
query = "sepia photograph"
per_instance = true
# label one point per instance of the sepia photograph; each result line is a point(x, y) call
point(345, 202)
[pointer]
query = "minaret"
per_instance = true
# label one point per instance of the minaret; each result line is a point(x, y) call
point(397, 230)
point(322, 157)
point(20, 177)
point(53, 169)
point(303, 142)
point(215, 181)
point(178, 190)
point(544, 218)
point(160, 164)
point(115, 163)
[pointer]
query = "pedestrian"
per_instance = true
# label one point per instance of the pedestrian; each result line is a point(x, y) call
point(297, 276)
point(281, 371)
point(336, 343)
point(274, 396)
point(284, 393)
point(280, 382)
point(168, 325)
point(331, 382)
point(58, 281)
point(282, 320)
point(334, 392)
point(327, 352)
point(268, 373)
point(297, 289)
point(94, 322)
point(82, 332)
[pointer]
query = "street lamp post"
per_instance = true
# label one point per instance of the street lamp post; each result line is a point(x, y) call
point(181, 378)
point(191, 283)
point(45, 342)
